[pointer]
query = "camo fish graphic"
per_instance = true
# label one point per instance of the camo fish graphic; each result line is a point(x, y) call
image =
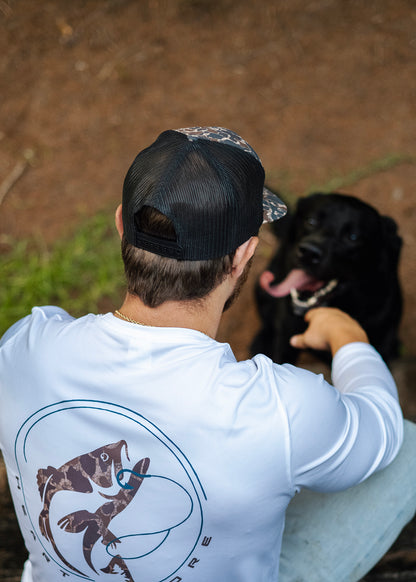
point(96, 524)
point(98, 466)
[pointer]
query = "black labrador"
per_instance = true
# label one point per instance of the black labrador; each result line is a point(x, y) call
point(335, 251)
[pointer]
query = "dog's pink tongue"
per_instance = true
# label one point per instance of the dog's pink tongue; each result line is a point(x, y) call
point(296, 279)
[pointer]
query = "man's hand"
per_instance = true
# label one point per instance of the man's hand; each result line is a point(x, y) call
point(328, 329)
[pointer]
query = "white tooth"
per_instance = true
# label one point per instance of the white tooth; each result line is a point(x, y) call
point(313, 299)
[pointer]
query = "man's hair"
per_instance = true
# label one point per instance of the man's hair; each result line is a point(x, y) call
point(156, 279)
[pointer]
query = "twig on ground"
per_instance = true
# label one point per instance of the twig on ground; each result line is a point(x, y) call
point(17, 172)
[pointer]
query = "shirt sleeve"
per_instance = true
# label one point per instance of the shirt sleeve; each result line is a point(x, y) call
point(342, 433)
point(44, 312)
point(14, 330)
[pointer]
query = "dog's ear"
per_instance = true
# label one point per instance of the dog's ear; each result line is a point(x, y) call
point(392, 241)
point(280, 227)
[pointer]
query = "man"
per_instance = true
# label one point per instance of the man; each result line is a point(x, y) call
point(138, 448)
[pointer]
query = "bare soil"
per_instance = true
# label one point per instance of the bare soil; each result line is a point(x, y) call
point(321, 88)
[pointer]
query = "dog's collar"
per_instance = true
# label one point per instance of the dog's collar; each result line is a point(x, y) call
point(301, 306)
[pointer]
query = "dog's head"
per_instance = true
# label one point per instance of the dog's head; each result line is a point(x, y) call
point(333, 238)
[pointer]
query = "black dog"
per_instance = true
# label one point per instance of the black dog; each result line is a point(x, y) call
point(335, 251)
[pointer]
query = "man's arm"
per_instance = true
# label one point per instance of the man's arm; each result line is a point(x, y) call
point(341, 434)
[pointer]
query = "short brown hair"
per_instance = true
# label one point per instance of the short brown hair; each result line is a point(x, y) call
point(156, 279)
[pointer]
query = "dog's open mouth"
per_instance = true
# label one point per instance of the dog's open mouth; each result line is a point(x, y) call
point(305, 290)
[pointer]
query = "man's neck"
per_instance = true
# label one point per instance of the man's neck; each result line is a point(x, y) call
point(202, 315)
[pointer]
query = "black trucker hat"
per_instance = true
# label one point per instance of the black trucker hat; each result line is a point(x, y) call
point(209, 182)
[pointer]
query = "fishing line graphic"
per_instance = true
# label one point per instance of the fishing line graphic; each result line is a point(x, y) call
point(165, 531)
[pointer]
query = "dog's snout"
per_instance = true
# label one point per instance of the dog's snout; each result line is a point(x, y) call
point(309, 252)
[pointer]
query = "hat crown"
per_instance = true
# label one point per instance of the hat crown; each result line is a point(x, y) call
point(208, 181)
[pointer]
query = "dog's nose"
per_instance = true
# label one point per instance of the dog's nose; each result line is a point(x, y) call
point(309, 252)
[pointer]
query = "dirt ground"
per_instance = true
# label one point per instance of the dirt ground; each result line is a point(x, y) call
point(322, 89)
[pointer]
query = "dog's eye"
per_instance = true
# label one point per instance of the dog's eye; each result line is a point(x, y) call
point(312, 221)
point(353, 236)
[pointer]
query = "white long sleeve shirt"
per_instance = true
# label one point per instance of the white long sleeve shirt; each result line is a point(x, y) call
point(148, 454)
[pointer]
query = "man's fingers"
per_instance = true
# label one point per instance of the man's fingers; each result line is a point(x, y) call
point(297, 341)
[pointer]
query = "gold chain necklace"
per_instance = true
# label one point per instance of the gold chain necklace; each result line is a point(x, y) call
point(130, 320)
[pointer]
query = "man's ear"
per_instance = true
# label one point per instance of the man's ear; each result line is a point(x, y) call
point(243, 254)
point(119, 221)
